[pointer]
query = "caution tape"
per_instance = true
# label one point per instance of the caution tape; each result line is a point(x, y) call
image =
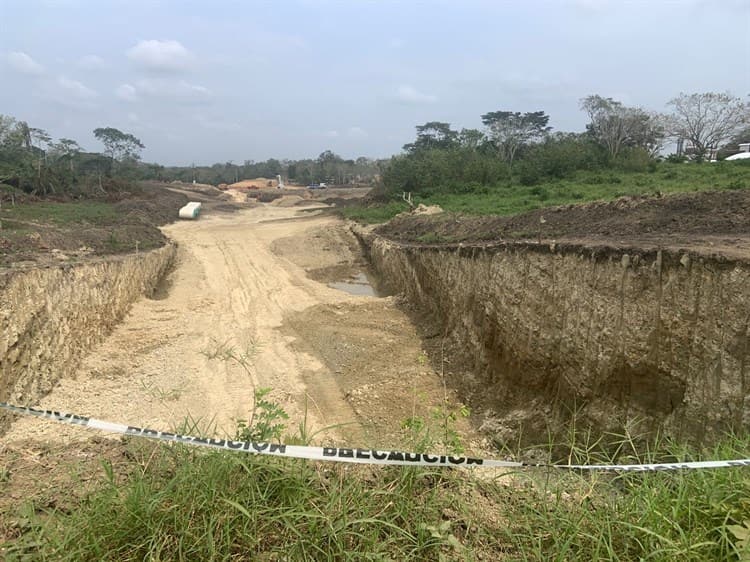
point(349, 455)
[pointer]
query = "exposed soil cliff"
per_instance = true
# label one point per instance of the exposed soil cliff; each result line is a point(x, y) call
point(639, 338)
point(50, 316)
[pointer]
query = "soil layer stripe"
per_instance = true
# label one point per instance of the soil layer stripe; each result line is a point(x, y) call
point(341, 454)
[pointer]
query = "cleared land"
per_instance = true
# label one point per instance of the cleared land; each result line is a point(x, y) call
point(248, 306)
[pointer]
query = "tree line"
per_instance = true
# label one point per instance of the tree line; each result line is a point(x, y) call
point(328, 167)
point(31, 161)
point(513, 147)
point(516, 147)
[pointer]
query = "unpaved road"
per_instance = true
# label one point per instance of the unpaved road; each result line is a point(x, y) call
point(248, 306)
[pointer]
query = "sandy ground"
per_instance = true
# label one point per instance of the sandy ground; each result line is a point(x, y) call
point(248, 306)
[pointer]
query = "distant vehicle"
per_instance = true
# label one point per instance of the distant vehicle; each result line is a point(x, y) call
point(320, 185)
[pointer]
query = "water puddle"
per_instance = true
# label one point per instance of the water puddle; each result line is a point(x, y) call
point(361, 285)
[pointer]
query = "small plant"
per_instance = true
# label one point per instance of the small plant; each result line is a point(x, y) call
point(223, 351)
point(161, 394)
point(437, 430)
point(266, 419)
point(742, 534)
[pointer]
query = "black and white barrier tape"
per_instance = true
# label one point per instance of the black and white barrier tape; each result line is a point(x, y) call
point(340, 454)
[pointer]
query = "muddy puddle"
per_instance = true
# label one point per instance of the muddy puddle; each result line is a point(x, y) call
point(361, 284)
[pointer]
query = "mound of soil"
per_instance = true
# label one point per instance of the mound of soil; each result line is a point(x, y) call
point(135, 224)
point(682, 218)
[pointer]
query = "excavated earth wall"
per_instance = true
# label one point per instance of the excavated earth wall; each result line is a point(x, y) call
point(50, 316)
point(638, 339)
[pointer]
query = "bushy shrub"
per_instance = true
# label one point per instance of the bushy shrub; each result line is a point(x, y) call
point(634, 160)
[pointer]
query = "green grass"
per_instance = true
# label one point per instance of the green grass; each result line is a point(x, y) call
point(585, 186)
point(375, 213)
point(182, 503)
point(78, 212)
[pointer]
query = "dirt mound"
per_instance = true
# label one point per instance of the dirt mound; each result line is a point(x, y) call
point(287, 201)
point(257, 183)
point(422, 209)
point(132, 226)
point(683, 218)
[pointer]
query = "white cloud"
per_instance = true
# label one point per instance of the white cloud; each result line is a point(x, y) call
point(409, 94)
point(216, 124)
point(173, 89)
point(75, 89)
point(126, 92)
point(23, 63)
point(163, 88)
point(356, 132)
point(160, 56)
point(91, 62)
point(331, 134)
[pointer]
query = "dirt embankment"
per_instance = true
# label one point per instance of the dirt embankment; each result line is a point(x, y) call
point(623, 328)
point(703, 220)
point(51, 316)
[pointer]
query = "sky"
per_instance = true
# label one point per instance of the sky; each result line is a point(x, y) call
point(216, 81)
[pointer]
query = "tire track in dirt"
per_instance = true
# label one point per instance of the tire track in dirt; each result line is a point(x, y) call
point(228, 291)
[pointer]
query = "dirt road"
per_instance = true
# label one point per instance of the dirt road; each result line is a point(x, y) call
point(246, 307)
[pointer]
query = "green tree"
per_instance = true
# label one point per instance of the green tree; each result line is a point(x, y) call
point(616, 126)
point(66, 150)
point(118, 145)
point(431, 135)
point(471, 138)
point(328, 164)
point(511, 130)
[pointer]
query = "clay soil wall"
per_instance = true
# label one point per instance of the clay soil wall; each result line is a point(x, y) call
point(51, 316)
point(643, 340)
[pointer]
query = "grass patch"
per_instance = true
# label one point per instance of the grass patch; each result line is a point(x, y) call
point(182, 503)
point(583, 187)
point(373, 212)
point(74, 212)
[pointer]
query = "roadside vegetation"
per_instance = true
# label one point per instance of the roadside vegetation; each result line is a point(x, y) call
point(183, 503)
point(662, 178)
point(517, 163)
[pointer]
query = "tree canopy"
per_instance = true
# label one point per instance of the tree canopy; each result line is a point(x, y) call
point(615, 126)
point(118, 145)
point(707, 120)
point(510, 130)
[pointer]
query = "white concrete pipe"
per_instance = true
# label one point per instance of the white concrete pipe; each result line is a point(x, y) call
point(190, 211)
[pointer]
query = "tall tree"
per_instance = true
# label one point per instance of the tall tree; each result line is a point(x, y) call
point(510, 130)
point(433, 134)
point(119, 145)
point(707, 120)
point(614, 125)
point(328, 164)
point(67, 149)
